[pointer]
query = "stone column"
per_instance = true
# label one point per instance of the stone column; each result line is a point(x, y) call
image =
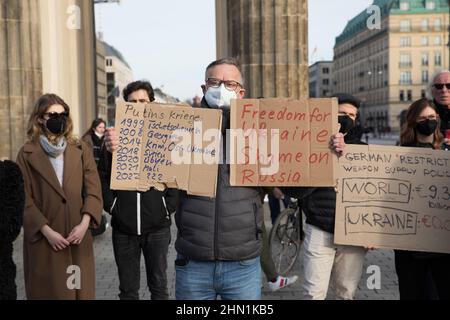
point(221, 28)
point(270, 39)
point(40, 51)
point(20, 71)
point(69, 56)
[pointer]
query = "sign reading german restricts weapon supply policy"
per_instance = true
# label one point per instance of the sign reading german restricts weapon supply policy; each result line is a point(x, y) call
point(164, 145)
point(394, 197)
point(282, 142)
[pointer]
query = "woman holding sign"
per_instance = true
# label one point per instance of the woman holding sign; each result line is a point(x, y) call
point(420, 272)
point(62, 198)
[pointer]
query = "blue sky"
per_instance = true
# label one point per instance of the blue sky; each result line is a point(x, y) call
point(170, 42)
point(327, 19)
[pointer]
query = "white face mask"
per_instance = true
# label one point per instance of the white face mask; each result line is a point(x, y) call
point(220, 97)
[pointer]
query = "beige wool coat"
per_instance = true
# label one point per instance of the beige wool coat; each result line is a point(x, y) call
point(48, 273)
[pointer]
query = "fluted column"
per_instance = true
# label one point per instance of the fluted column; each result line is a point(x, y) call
point(69, 57)
point(270, 39)
point(43, 50)
point(20, 71)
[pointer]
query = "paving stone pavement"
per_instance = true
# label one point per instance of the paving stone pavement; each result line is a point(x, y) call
point(107, 286)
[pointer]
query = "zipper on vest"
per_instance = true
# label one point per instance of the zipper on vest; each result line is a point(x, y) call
point(138, 212)
point(255, 216)
point(216, 223)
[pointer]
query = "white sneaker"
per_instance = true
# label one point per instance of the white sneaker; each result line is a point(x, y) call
point(281, 282)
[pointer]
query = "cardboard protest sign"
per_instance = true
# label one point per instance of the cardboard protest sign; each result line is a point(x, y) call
point(394, 197)
point(286, 142)
point(163, 145)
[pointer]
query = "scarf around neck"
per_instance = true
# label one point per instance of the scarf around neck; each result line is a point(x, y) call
point(53, 150)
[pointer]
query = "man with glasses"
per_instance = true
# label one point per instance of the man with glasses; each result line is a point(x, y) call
point(221, 257)
point(220, 239)
point(440, 91)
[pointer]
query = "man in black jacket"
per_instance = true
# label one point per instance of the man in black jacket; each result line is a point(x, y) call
point(322, 259)
point(141, 222)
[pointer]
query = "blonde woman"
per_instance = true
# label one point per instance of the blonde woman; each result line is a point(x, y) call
point(62, 198)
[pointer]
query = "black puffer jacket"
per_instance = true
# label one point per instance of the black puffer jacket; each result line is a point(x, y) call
point(227, 227)
point(319, 204)
point(12, 200)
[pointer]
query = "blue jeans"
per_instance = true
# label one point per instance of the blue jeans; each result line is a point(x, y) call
point(206, 280)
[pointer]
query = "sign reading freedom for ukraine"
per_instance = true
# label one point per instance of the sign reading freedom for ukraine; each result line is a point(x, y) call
point(394, 197)
point(282, 142)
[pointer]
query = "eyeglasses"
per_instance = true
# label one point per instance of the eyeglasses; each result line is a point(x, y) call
point(440, 86)
point(229, 84)
point(52, 115)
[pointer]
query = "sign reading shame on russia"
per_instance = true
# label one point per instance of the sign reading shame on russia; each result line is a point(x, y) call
point(282, 142)
point(394, 197)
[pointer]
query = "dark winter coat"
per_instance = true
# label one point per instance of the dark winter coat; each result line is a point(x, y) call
point(319, 204)
point(12, 199)
point(227, 227)
point(136, 213)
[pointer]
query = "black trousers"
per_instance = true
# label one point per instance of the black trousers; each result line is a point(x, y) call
point(421, 277)
point(127, 252)
point(275, 208)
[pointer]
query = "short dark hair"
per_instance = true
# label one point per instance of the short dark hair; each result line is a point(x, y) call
point(347, 98)
point(229, 61)
point(139, 85)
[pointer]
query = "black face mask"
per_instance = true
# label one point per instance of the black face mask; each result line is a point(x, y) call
point(427, 127)
point(346, 123)
point(56, 125)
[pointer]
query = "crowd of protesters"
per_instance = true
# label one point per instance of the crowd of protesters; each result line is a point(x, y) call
point(58, 191)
